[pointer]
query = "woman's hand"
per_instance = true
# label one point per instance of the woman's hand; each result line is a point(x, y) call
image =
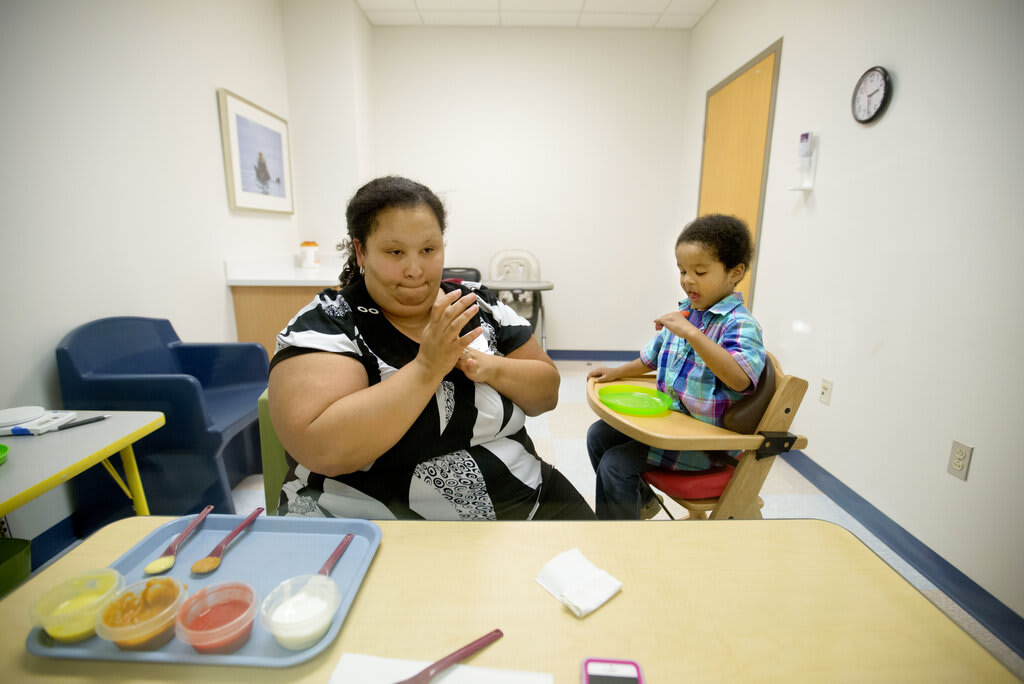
point(441, 344)
point(527, 376)
point(677, 323)
point(476, 365)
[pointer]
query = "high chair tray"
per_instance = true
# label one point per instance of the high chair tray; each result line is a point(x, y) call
point(268, 552)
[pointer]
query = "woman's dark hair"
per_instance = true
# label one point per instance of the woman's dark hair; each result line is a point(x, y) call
point(726, 237)
point(377, 195)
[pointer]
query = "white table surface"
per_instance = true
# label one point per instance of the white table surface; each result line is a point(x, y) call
point(38, 463)
point(281, 271)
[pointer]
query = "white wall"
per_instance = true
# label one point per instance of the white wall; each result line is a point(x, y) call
point(897, 277)
point(112, 191)
point(327, 45)
point(563, 142)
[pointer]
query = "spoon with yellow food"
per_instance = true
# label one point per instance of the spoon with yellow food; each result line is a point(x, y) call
point(212, 560)
point(166, 560)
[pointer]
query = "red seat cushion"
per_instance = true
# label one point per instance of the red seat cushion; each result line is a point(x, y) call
point(680, 484)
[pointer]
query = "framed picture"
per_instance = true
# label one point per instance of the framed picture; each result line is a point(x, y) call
point(257, 161)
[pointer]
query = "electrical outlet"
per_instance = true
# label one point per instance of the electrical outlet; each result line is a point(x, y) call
point(825, 393)
point(960, 460)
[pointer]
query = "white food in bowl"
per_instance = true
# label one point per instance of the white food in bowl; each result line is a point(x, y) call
point(300, 610)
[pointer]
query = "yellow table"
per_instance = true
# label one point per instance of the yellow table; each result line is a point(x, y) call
point(38, 463)
point(741, 601)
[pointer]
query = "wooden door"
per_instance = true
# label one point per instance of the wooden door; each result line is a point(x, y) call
point(737, 135)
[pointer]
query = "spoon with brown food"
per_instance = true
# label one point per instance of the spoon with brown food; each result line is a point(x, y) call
point(212, 560)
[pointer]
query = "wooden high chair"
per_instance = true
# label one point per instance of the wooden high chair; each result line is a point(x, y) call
point(758, 425)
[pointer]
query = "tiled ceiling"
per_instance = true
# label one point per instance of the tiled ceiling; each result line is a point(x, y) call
point(662, 14)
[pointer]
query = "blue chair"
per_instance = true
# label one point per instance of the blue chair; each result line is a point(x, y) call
point(207, 392)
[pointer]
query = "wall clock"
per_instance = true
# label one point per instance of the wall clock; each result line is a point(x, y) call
point(871, 95)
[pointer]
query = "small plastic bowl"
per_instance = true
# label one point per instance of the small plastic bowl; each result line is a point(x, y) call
point(299, 611)
point(68, 611)
point(217, 619)
point(142, 617)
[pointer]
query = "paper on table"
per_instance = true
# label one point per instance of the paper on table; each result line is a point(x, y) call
point(578, 583)
point(48, 422)
point(355, 668)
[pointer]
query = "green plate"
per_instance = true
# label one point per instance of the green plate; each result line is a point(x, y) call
point(634, 400)
point(3, 453)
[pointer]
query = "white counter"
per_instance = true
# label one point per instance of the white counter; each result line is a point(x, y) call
point(281, 271)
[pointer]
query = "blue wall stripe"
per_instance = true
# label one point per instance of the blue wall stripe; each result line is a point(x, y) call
point(994, 615)
point(592, 355)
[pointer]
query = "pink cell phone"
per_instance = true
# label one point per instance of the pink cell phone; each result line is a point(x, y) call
point(604, 671)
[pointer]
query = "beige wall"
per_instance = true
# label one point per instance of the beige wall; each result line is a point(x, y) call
point(112, 190)
point(563, 142)
point(897, 277)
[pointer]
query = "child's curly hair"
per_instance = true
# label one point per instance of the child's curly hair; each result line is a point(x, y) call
point(727, 237)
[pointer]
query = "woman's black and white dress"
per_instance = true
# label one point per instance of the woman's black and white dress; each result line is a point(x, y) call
point(466, 457)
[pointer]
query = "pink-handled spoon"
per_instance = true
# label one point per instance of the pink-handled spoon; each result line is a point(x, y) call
point(333, 558)
point(166, 560)
point(212, 560)
point(431, 671)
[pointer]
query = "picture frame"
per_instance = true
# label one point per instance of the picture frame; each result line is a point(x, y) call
point(257, 156)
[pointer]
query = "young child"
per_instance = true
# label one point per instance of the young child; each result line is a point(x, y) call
point(708, 354)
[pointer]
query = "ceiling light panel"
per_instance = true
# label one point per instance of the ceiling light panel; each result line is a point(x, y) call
point(602, 20)
point(461, 18)
point(625, 6)
point(677, 21)
point(694, 7)
point(457, 5)
point(545, 6)
point(553, 19)
point(387, 5)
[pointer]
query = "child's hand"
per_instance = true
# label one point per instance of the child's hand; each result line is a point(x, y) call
point(603, 374)
point(677, 323)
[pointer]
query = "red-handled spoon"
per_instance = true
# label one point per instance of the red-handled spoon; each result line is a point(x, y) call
point(333, 558)
point(166, 560)
point(212, 561)
point(435, 669)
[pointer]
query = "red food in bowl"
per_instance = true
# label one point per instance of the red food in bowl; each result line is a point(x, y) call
point(217, 619)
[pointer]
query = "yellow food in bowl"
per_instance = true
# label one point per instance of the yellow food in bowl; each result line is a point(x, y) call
point(68, 611)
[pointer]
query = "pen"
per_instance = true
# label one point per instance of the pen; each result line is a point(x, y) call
point(84, 421)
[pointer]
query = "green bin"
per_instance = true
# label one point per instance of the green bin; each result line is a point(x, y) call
point(15, 563)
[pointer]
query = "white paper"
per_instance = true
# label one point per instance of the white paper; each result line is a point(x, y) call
point(575, 581)
point(355, 668)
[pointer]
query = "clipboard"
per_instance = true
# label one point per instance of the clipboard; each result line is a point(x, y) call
point(48, 422)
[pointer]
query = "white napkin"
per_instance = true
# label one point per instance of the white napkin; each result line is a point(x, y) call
point(578, 583)
point(354, 668)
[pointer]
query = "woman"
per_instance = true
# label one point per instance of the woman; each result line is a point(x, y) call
point(402, 396)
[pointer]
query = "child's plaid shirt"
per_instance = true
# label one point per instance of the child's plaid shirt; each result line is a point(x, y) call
point(684, 376)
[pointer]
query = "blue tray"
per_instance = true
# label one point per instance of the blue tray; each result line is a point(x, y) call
point(268, 552)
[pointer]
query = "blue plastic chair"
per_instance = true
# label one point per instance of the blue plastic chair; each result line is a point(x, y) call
point(207, 392)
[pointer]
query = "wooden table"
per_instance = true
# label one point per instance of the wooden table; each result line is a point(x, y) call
point(741, 601)
point(673, 430)
point(38, 463)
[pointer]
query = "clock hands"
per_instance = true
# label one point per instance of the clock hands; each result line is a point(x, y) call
point(871, 94)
